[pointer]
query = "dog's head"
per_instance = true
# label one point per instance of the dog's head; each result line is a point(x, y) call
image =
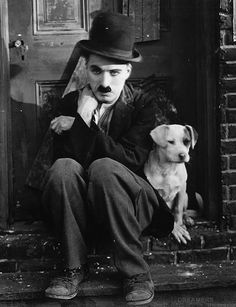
point(173, 141)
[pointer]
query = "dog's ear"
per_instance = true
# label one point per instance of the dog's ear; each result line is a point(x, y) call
point(159, 135)
point(193, 134)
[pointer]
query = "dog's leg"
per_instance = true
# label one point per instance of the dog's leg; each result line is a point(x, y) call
point(180, 205)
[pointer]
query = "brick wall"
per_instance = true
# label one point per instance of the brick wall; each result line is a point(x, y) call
point(228, 108)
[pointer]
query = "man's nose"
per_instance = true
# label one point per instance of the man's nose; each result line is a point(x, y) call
point(105, 79)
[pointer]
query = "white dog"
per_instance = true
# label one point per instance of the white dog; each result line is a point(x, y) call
point(165, 167)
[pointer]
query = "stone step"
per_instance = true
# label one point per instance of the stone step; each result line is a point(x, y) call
point(207, 297)
point(96, 263)
point(102, 262)
point(23, 286)
point(29, 247)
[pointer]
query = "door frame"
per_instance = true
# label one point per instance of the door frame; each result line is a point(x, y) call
point(6, 178)
point(207, 45)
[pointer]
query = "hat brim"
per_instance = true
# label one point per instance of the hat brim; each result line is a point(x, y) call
point(87, 45)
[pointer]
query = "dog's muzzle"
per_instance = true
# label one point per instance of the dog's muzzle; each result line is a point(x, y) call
point(182, 157)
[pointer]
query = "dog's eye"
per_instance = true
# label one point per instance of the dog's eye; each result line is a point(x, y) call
point(186, 142)
point(171, 142)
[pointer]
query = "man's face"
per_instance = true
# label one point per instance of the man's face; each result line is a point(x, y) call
point(106, 78)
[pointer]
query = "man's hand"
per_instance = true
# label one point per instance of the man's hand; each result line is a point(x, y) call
point(61, 123)
point(181, 234)
point(86, 105)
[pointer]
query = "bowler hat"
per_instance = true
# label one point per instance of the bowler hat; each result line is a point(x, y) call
point(112, 36)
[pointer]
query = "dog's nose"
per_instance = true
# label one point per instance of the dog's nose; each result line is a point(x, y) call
point(182, 156)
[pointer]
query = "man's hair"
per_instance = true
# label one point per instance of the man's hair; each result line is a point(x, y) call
point(85, 54)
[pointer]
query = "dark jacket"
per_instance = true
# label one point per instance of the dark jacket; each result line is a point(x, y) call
point(128, 140)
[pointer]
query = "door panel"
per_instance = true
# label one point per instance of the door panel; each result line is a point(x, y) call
point(49, 29)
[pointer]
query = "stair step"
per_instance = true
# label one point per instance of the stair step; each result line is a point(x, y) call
point(25, 227)
point(201, 237)
point(29, 247)
point(101, 262)
point(22, 286)
point(191, 256)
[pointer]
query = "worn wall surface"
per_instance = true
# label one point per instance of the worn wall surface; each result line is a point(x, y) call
point(228, 110)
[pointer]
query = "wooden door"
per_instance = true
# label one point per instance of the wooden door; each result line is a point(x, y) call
point(207, 95)
point(5, 115)
point(50, 30)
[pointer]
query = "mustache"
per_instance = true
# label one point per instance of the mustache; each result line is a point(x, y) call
point(103, 89)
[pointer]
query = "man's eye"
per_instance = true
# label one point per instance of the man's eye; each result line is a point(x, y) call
point(96, 71)
point(114, 72)
point(171, 141)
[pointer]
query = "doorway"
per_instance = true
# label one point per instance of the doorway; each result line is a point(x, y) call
point(184, 56)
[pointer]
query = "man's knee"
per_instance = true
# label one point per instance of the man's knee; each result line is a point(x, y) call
point(103, 169)
point(65, 167)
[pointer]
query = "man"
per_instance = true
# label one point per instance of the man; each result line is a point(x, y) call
point(100, 145)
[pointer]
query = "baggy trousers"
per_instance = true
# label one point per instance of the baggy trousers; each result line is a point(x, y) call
point(108, 196)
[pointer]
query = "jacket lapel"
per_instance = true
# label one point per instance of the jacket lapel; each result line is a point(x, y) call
point(122, 114)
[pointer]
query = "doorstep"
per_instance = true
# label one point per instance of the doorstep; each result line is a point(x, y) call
point(28, 247)
point(27, 285)
point(30, 257)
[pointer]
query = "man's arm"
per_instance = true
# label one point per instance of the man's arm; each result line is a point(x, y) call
point(85, 144)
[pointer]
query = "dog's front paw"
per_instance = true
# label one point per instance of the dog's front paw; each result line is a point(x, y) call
point(180, 233)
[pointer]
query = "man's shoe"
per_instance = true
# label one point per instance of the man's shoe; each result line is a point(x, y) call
point(66, 286)
point(139, 289)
